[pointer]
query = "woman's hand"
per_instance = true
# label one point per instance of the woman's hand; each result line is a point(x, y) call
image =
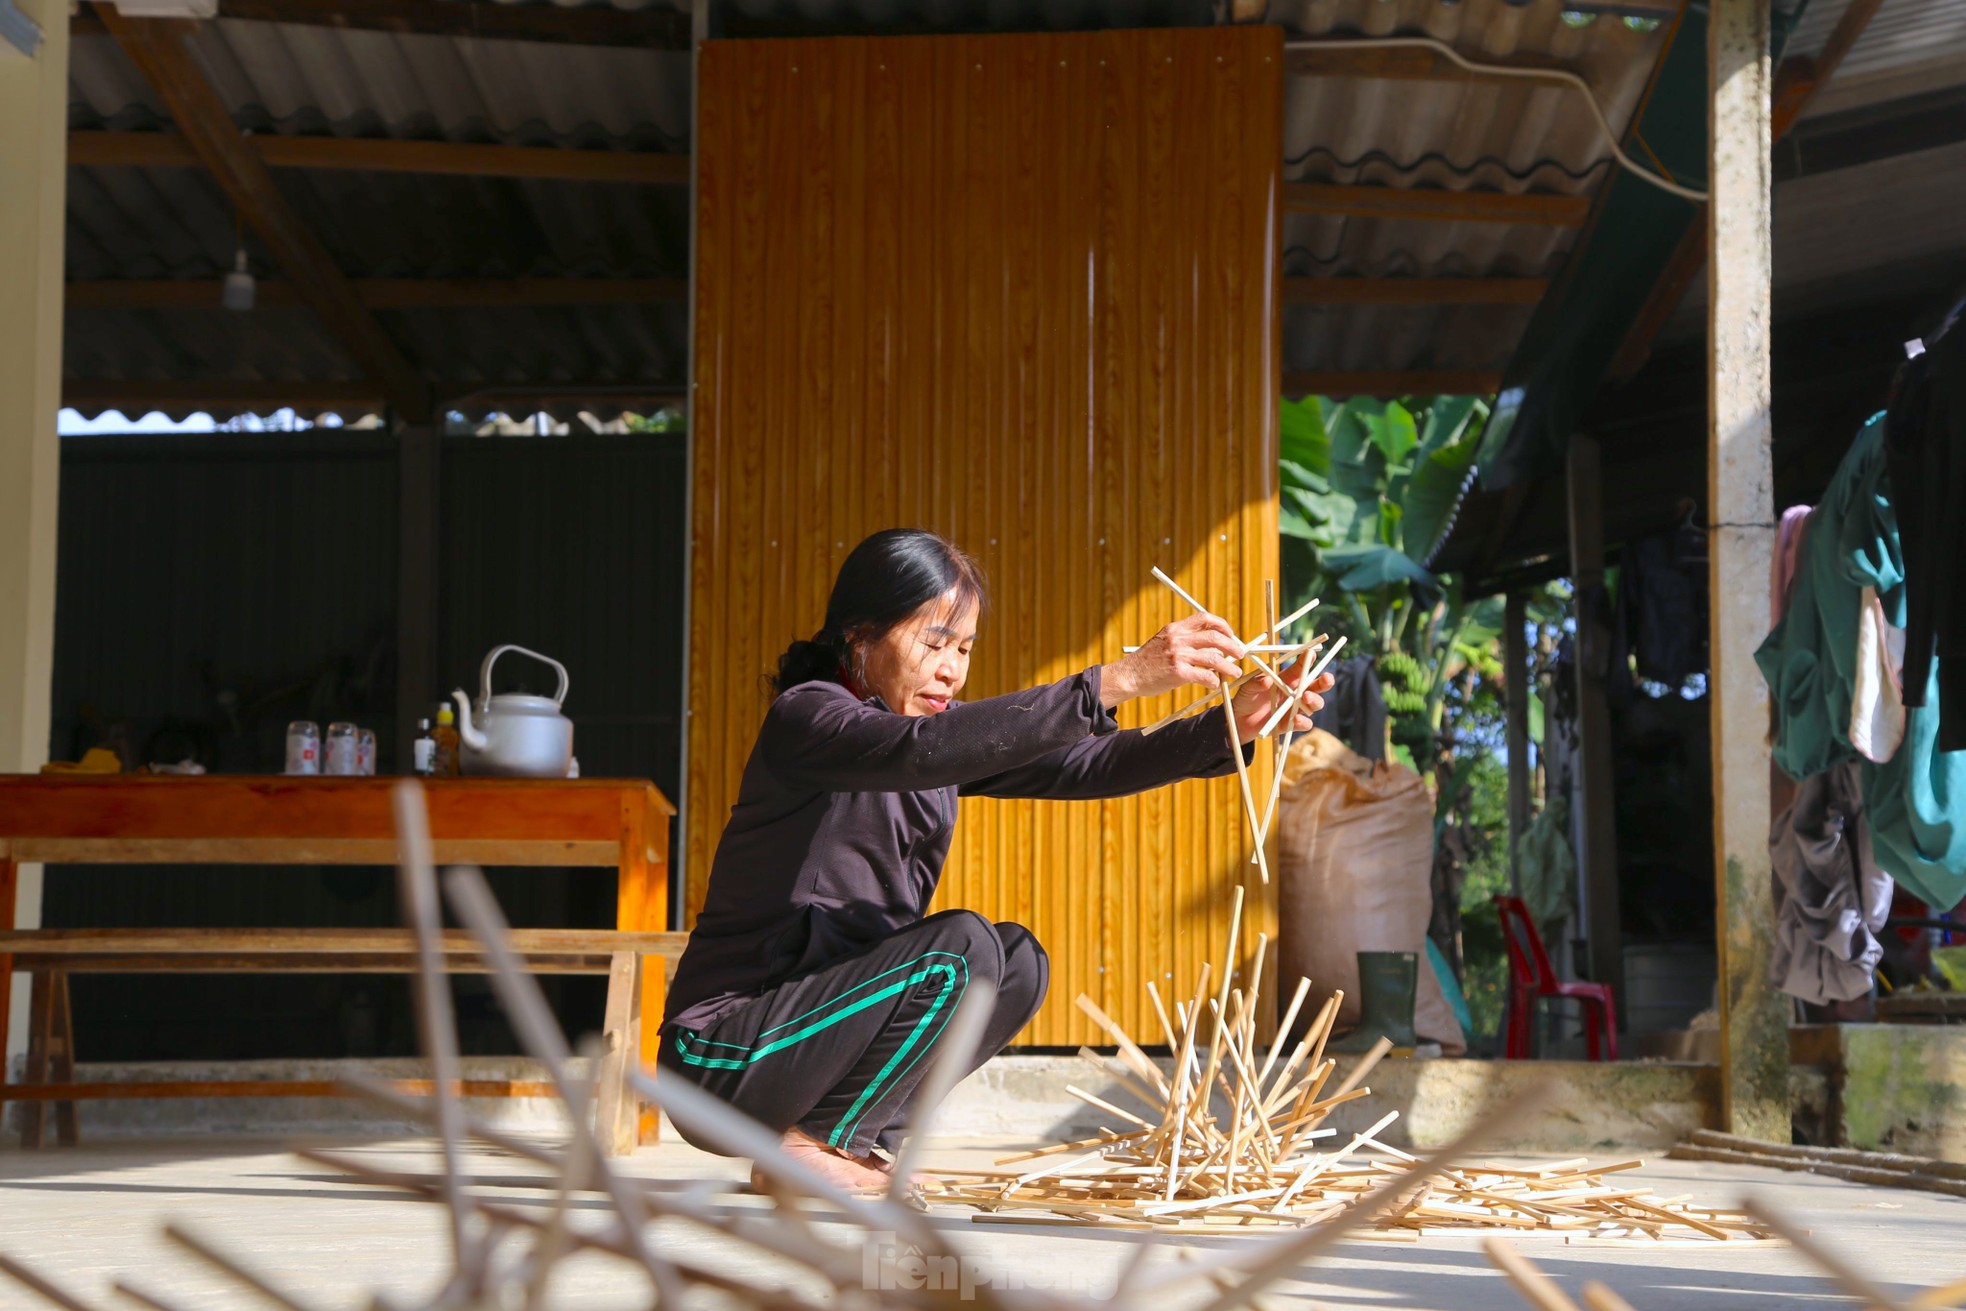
point(1260, 698)
point(1200, 649)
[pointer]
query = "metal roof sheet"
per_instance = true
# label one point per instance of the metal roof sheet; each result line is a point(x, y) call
point(1900, 34)
point(127, 222)
point(289, 78)
point(1489, 135)
point(1859, 233)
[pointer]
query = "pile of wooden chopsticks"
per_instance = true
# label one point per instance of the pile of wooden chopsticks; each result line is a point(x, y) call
point(1233, 1136)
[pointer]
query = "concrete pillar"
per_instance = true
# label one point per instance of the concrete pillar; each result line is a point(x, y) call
point(1741, 508)
point(33, 193)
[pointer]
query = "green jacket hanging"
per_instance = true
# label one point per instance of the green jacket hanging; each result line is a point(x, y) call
point(1916, 800)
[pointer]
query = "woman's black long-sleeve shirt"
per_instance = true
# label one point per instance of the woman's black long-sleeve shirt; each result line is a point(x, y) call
point(846, 813)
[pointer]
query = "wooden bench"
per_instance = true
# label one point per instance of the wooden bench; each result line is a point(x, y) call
point(330, 821)
point(50, 956)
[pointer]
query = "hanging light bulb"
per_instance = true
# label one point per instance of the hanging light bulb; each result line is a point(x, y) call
point(240, 291)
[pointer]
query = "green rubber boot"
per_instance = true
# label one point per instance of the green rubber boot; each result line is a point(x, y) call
point(1387, 982)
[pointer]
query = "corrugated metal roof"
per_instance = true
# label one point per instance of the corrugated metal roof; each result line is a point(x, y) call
point(126, 222)
point(1859, 233)
point(1908, 46)
point(1901, 32)
point(280, 77)
point(608, 346)
point(1453, 337)
point(176, 223)
point(284, 343)
point(602, 344)
point(129, 222)
point(1458, 136)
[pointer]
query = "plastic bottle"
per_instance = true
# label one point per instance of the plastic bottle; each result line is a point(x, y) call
point(444, 758)
point(424, 752)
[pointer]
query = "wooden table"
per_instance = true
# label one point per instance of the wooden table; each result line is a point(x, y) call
point(229, 819)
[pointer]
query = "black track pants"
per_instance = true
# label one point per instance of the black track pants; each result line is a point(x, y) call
point(838, 1052)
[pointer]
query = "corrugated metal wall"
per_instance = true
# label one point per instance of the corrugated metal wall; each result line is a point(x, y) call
point(1020, 290)
point(573, 547)
point(214, 587)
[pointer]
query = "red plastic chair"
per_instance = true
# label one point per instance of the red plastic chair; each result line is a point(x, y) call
point(1531, 979)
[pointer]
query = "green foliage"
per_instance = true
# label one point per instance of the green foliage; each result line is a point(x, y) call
point(671, 418)
point(1485, 974)
point(1370, 489)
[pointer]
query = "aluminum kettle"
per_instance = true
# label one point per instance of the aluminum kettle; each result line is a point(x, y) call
point(513, 735)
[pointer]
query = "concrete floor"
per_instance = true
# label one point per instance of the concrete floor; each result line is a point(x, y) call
point(89, 1216)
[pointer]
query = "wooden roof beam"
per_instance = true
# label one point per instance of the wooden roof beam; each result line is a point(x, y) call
point(157, 48)
point(1428, 203)
point(1393, 382)
point(657, 27)
point(384, 155)
point(383, 293)
point(1414, 291)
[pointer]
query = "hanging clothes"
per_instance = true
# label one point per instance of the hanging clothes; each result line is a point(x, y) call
point(1664, 609)
point(1354, 710)
point(1831, 899)
point(1547, 867)
point(1877, 705)
point(1810, 658)
point(1925, 450)
point(1789, 536)
point(1915, 800)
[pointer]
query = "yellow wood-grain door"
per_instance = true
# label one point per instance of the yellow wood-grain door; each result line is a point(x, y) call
point(1020, 290)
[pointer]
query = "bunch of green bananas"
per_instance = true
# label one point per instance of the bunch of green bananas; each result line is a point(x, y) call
point(1400, 682)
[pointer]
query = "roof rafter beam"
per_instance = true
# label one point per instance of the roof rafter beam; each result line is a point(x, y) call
point(658, 27)
point(1414, 291)
point(1393, 382)
point(1545, 208)
point(157, 48)
point(384, 155)
point(384, 293)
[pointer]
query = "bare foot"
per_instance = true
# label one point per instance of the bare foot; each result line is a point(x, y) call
point(835, 1166)
point(917, 1180)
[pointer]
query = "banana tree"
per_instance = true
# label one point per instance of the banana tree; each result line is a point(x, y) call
point(1370, 490)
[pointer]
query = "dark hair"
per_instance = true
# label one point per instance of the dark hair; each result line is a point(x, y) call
point(883, 580)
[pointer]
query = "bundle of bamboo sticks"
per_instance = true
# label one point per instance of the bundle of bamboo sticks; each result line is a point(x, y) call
point(1263, 1157)
point(1311, 655)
